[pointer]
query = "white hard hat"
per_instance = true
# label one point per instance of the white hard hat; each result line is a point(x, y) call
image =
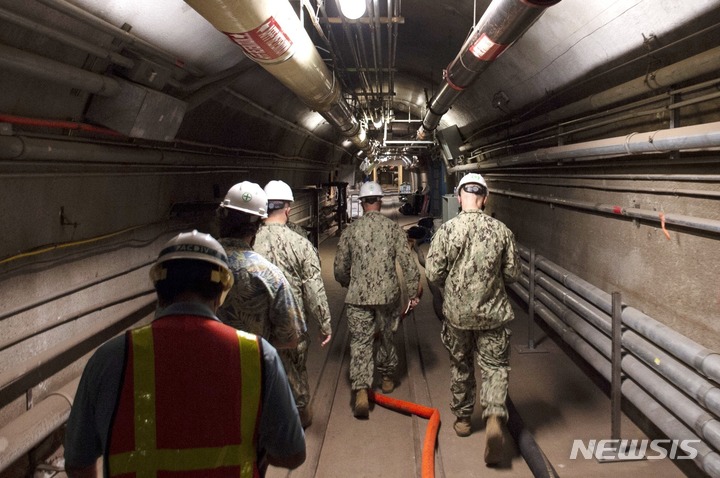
point(246, 197)
point(474, 178)
point(195, 246)
point(370, 189)
point(278, 191)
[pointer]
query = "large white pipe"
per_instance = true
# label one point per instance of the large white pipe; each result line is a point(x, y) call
point(271, 34)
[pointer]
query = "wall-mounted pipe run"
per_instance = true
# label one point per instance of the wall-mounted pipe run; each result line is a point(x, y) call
point(270, 33)
point(32, 427)
point(662, 79)
point(51, 70)
point(653, 388)
point(700, 224)
point(502, 24)
point(701, 136)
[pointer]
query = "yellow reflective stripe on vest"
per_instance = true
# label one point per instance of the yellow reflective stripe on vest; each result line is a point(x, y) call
point(251, 391)
point(146, 460)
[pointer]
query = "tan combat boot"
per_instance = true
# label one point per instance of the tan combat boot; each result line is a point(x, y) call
point(362, 406)
point(462, 426)
point(388, 385)
point(305, 416)
point(494, 440)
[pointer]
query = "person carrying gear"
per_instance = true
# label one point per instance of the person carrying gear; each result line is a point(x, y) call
point(298, 260)
point(185, 395)
point(280, 191)
point(262, 301)
point(471, 259)
point(365, 263)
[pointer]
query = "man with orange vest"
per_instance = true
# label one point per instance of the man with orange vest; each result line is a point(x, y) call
point(185, 395)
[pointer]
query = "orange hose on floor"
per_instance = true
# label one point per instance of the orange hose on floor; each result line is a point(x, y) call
point(428, 453)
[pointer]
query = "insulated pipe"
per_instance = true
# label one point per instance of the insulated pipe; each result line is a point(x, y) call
point(700, 136)
point(51, 70)
point(87, 47)
point(502, 24)
point(688, 411)
point(32, 427)
point(701, 224)
point(126, 37)
point(690, 352)
point(677, 73)
point(702, 390)
point(270, 33)
point(707, 458)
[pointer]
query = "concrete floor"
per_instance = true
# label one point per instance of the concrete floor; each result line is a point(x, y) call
point(558, 398)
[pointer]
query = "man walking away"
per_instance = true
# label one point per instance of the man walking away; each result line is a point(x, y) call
point(298, 260)
point(261, 302)
point(185, 395)
point(471, 258)
point(365, 263)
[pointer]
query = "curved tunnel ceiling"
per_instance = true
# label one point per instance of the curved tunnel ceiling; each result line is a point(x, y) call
point(236, 103)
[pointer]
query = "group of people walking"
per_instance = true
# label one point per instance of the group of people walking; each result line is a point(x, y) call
point(218, 380)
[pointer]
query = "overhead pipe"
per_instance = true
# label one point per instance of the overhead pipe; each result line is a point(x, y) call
point(132, 41)
point(62, 37)
point(51, 70)
point(270, 33)
point(658, 80)
point(502, 24)
point(702, 136)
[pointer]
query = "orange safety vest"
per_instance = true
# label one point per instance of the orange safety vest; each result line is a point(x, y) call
point(189, 402)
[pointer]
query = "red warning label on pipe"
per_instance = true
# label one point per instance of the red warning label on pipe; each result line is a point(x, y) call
point(486, 49)
point(266, 42)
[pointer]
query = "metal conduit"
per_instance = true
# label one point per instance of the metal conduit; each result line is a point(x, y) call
point(700, 420)
point(695, 385)
point(61, 37)
point(128, 38)
point(698, 65)
point(674, 139)
point(270, 33)
point(502, 24)
point(55, 71)
point(702, 224)
point(690, 352)
point(32, 427)
point(707, 458)
point(29, 373)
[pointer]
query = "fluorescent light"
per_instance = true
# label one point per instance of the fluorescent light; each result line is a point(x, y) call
point(352, 9)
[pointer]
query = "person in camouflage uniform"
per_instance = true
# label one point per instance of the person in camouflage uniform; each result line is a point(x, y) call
point(297, 259)
point(261, 301)
point(471, 258)
point(365, 263)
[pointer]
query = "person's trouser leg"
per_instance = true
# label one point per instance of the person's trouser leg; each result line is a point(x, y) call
point(294, 362)
point(460, 345)
point(361, 323)
point(386, 357)
point(494, 360)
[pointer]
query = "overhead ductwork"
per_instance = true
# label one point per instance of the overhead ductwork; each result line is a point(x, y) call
point(503, 23)
point(271, 34)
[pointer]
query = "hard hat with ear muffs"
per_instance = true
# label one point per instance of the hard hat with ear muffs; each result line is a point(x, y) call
point(196, 246)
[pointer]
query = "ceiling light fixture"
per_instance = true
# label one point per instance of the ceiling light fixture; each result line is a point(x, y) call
point(352, 9)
